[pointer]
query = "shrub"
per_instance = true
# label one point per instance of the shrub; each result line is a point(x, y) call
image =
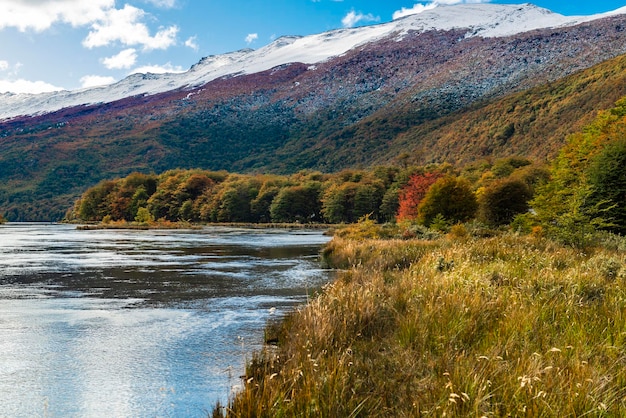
point(144, 216)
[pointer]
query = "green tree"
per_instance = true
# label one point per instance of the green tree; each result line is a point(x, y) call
point(298, 204)
point(504, 167)
point(94, 204)
point(186, 211)
point(348, 202)
point(572, 205)
point(163, 204)
point(139, 199)
point(260, 205)
point(607, 180)
point(450, 198)
point(367, 200)
point(389, 204)
point(338, 203)
point(233, 203)
point(502, 200)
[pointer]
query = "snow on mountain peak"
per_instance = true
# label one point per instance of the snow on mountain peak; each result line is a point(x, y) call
point(486, 20)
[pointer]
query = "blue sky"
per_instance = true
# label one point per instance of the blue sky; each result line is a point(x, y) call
point(69, 44)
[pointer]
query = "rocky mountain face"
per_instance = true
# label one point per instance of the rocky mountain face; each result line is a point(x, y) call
point(361, 107)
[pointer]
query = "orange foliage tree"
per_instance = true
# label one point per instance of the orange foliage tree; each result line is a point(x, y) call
point(412, 194)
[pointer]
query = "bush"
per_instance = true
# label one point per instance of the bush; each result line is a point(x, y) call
point(144, 216)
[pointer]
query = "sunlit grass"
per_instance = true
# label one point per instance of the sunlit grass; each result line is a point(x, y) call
point(501, 326)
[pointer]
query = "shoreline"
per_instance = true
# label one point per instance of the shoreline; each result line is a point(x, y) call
point(186, 225)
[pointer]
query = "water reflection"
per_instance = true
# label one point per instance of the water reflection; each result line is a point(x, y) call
point(139, 323)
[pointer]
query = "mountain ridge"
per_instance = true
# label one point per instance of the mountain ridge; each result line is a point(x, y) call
point(485, 20)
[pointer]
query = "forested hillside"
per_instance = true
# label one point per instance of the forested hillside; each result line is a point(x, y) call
point(534, 123)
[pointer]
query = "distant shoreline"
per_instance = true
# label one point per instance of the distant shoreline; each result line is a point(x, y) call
point(187, 225)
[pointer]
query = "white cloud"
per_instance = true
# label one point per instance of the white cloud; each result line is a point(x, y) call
point(353, 18)
point(159, 69)
point(251, 38)
point(417, 8)
point(423, 6)
point(26, 86)
point(124, 26)
point(124, 60)
point(108, 24)
point(166, 4)
point(192, 43)
point(4, 65)
point(39, 15)
point(95, 81)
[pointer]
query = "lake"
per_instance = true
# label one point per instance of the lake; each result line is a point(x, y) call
point(140, 323)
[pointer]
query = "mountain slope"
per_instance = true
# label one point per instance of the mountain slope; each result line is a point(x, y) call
point(534, 123)
point(414, 91)
point(484, 20)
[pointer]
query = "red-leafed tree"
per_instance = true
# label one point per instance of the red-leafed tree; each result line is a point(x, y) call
point(412, 194)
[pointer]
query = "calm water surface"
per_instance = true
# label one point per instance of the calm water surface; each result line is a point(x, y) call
point(140, 323)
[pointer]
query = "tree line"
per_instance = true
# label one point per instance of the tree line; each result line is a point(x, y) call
point(423, 194)
point(581, 192)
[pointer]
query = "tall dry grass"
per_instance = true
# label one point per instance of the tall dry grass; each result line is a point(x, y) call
point(485, 327)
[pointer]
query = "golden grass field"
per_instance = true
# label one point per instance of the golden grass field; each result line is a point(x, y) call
point(455, 326)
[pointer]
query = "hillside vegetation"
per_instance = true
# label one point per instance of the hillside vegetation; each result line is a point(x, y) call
point(585, 190)
point(534, 123)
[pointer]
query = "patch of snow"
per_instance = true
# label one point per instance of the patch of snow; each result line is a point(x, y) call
point(486, 20)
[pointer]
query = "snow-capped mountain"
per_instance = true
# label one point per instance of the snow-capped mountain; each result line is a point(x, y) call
point(476, 20)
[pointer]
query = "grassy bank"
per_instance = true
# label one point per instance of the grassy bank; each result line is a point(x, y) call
point(496, 326)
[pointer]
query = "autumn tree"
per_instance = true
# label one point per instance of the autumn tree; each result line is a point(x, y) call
point(411, 195)
point(132, 192)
